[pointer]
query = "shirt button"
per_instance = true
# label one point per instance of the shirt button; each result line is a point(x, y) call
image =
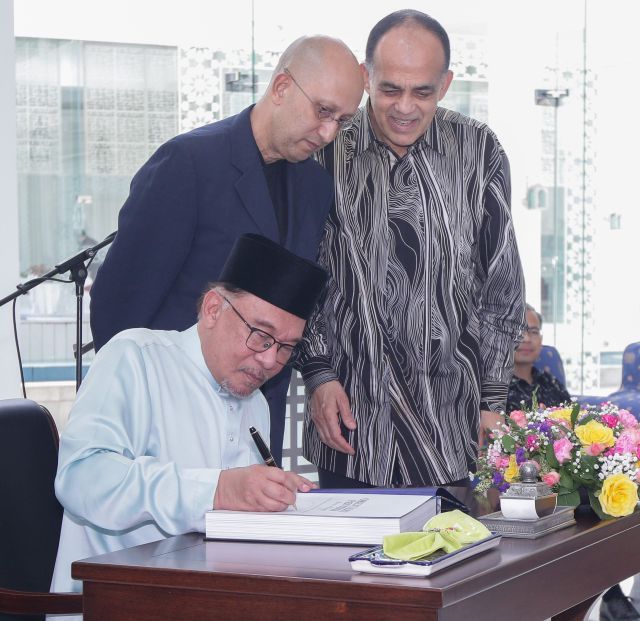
point(231, 438)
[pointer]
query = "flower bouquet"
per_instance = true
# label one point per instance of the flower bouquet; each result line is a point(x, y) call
point(595, 449)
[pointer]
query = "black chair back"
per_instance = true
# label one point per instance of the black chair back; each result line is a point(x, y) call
point(31, 515)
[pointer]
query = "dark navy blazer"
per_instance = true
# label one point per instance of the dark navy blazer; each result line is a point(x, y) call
point(186, 207)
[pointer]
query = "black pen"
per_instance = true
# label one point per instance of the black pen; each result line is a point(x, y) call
point(265, 453)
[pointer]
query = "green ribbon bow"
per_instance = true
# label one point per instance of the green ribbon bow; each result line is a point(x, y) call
point(448, 531)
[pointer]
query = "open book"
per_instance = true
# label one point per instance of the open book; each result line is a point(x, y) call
point(359, 517)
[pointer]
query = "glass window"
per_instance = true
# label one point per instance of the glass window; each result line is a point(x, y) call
point(96, 96)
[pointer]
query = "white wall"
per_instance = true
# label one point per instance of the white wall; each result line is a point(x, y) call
point(9, 276)
point(225, 25)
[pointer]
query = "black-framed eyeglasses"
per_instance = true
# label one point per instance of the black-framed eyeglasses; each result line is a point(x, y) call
point(324, 114)
point(260, 341)
point(533, 331)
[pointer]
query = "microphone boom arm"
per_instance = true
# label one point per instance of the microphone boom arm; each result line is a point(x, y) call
point(75, 265)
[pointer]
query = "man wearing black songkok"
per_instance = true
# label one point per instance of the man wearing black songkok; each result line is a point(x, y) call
point(159, 432)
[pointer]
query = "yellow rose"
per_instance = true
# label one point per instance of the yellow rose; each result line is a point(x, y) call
point(512, 471)
point(562, 415)
point(595, 433)
point(619, 495)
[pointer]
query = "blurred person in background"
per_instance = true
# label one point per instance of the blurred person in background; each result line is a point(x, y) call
point(527, 379)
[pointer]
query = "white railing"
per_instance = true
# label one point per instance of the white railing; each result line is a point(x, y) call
point(51, 340)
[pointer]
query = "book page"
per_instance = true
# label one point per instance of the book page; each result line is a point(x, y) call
point(356, 505)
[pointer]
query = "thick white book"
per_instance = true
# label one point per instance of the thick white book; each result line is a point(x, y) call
point(358, 518)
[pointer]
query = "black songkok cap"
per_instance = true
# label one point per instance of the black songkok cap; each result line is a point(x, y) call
point(259, 266)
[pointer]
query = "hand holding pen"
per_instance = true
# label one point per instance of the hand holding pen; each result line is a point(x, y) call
point(256, 488)
point(264, 451)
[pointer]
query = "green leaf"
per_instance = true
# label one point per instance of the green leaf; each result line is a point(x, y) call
point(583, 481)
point(574, 414)
point(551, 457)
point(508, 444)
point(569, 499)
point(597, 507)
point(587, 418)
point(567, 481)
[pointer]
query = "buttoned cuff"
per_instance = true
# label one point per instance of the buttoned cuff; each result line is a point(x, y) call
point(494, 396)
point(317, 371)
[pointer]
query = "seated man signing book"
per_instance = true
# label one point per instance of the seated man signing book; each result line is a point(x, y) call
point(159, 431)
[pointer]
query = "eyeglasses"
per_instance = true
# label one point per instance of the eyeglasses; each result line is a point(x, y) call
point(260, 341)
point(324, 114)
point(532, 331)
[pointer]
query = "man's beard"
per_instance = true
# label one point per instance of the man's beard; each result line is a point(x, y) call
point(245, 394)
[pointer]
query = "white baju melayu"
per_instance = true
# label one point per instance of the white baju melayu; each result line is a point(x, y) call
point(146, 440)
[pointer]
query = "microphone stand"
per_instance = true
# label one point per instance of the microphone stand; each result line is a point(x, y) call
point(78, 271)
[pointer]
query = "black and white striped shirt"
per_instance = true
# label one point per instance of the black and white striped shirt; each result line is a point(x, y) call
point(424, 303)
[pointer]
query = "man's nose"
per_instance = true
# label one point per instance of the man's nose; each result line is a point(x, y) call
point(267, 358)
point(405, 103)
point(328, 131)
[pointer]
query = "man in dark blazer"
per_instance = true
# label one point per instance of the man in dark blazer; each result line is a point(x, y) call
point(249, 173)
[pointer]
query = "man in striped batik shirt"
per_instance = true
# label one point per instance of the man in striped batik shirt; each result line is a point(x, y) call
point(409, 356)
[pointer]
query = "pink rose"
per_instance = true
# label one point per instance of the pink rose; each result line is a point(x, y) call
point(551, 478)
point(594, 449)
point(503, 462)
point(519, 418)
point(638, 476)
point(626, 443)
point(610, 420)
point(532, 441)
point(562, 449)
point(627, 419)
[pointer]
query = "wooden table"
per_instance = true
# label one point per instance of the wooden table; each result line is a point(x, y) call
point(188, 579)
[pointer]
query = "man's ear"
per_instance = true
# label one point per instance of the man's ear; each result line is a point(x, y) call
point(446, 83)
point(279, 86)
point(211, 308)
point(365, 77)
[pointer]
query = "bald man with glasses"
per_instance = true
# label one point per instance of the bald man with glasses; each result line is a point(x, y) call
point(249, 173)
